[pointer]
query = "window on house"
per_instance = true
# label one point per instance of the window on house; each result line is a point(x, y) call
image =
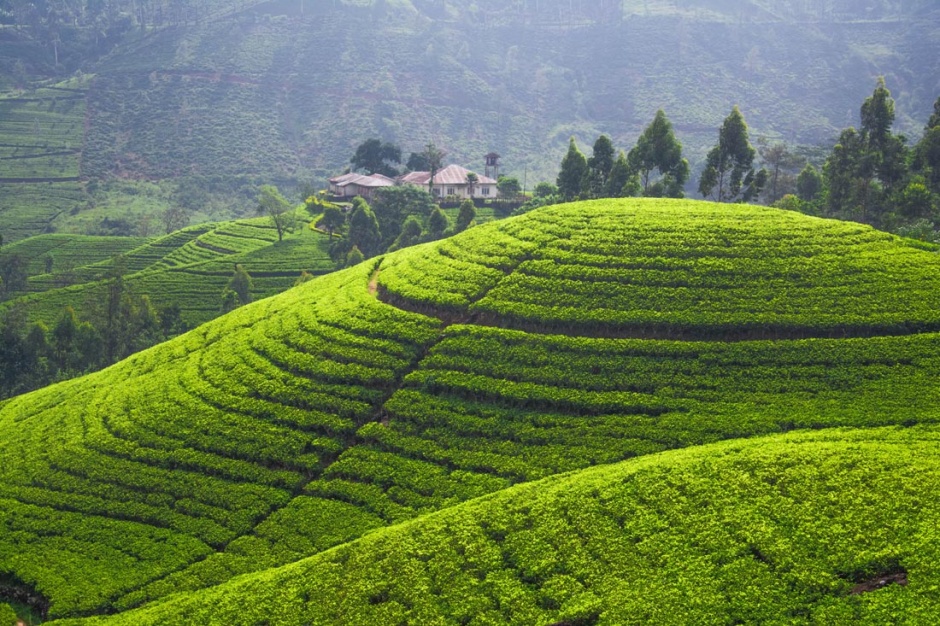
point(451, 191)
point(437, 191)
point(486, 191)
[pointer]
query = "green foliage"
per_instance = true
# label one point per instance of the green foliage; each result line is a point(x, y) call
point(574, 170)
point(333, 220)
point(657, 149)
point(354, 257)
point(393, 205)
point(8, 616)
point(544, 190)
point(437, 223)
point(599, 166)
point(782, 277)
point(277, 208)
point(809, 184)
point(509, 187)
point(375, 157)
point(364, 234)
point(411, 233)
point(241, 284)
point(466, 217)
point(729, 169)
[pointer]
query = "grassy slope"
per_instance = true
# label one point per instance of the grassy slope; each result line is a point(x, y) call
point(189, 268)
point(776, 530)
point(302, 421)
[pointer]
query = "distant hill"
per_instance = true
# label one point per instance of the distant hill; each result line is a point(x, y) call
point(575, 335)
point(283, 91)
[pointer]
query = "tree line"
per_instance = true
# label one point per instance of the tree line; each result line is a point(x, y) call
point(397, 217)
point(120, 323)
point(870, 175)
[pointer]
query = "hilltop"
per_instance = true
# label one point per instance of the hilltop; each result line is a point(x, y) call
point(450, 371)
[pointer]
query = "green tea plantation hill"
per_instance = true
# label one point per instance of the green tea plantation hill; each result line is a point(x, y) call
point(576, 335)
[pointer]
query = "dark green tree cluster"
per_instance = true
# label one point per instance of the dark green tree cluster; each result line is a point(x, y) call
point(872, 176)
point(374, 156)
point(398, 217)
point(654, 167)
point(33, 355)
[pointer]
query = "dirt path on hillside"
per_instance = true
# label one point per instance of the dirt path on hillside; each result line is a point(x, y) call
point(374, 283)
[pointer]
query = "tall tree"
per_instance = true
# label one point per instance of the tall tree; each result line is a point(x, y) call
point(573, 172)
point(729, 170)
point(435, 160)
point(780, 164)
point(657, 149)
point(867, 166)
point(375, 157)
point(927, 151)
point(599, 166)
point(276, 206)
point(886, 154)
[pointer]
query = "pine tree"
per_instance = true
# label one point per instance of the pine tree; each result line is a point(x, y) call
point(573, 172)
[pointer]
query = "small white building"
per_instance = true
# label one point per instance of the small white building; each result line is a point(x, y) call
point(352, 185)
point(452, 181)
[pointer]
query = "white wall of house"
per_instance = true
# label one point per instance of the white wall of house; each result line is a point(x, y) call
point(487, 192)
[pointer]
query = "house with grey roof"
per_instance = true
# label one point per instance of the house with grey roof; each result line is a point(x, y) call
point(353, 184)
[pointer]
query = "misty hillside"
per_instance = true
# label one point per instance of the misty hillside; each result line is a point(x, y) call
point(285, 90)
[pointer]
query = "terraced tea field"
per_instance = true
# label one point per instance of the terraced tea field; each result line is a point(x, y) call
point(189, 268)
point(388, 394)
point(41, 137)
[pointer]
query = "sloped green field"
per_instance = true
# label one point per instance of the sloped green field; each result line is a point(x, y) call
point(189, 268)
point(414, 382)
point(789, 529)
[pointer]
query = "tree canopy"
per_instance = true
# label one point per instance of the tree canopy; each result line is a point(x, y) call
point(375, 157)
point(729, 170)
point(657, 149)
point(574, 170)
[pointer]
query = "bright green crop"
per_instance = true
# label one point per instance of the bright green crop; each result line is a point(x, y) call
point(306, 420)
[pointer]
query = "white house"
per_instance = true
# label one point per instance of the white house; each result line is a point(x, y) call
point(452, 181)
